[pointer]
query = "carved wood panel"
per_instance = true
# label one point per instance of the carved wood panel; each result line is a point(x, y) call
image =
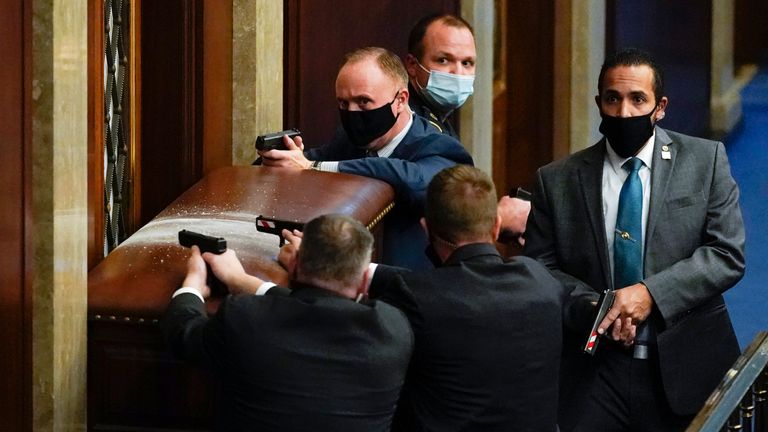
point(135, 385)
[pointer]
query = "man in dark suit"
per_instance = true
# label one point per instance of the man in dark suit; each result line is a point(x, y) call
point(487, 332)
point(312, 360)
point(670, 337)
point(381, 139)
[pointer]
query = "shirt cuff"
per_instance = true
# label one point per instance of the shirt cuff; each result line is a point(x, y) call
point(329, 166)
point(188, 290)
point(263, 288)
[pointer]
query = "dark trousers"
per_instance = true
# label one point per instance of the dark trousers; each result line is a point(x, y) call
point(627, 395)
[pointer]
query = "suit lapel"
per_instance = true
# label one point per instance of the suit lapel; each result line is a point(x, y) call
point(404, 150)
point(590, 173)
point(661, 172)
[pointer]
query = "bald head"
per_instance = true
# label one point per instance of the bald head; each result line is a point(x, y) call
point(370, 78)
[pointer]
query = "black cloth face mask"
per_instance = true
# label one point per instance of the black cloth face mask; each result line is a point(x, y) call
point(627, 134)
point(362, 127)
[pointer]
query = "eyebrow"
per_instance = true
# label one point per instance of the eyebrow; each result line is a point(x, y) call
point(356, 97)
point(451, 55)
point(632, 93)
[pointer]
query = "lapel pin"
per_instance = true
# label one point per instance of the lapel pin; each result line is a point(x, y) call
point(665, 154)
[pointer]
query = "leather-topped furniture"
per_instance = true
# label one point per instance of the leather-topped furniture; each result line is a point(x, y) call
point(133, 383)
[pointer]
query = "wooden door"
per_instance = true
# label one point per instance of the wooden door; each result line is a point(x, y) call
point(319, 33)
point(523, 95)
point(186, 48)
point(15, 308)
point(750, 36)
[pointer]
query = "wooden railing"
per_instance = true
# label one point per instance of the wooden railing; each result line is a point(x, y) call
point(740, 402)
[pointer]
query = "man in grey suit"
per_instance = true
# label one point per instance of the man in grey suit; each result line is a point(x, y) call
point(690, 243)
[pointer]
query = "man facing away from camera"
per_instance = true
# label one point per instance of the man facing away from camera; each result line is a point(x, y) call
point(487, 331)
point(306, 359)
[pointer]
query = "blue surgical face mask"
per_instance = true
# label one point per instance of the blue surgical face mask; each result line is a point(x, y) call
point(446, 90)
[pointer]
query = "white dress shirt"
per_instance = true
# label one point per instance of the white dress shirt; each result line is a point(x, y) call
point(261, 290)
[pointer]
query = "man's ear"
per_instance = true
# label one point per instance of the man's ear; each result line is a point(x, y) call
point(403, 97)
point(496, 228)
point(661, 112)
point(366, 281)
point(597, 102)
point(362, 289)
point(411, 65)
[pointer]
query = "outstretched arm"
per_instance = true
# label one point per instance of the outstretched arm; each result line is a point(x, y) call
point(229, 270)
point(186, 326)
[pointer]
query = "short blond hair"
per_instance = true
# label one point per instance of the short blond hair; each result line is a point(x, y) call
point(461, 204)
point(335, 249)
point(388, 62)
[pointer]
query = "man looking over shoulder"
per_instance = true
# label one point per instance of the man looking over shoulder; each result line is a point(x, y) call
point(307, 359)
point(441, 68)
point(654, 215)
point(381, 139)
point(441, 72)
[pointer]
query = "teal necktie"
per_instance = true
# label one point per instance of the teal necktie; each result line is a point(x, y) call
point(628, 244)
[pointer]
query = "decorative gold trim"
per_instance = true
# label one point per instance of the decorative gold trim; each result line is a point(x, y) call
point(379, 217)
point(125, 319)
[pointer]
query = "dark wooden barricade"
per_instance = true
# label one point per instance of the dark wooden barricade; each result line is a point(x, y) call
point(133, 383)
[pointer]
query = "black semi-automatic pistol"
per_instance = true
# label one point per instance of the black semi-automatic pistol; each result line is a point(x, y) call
point(603, 306)
point(274, 140)
point(206, 243)
point(276, 226)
